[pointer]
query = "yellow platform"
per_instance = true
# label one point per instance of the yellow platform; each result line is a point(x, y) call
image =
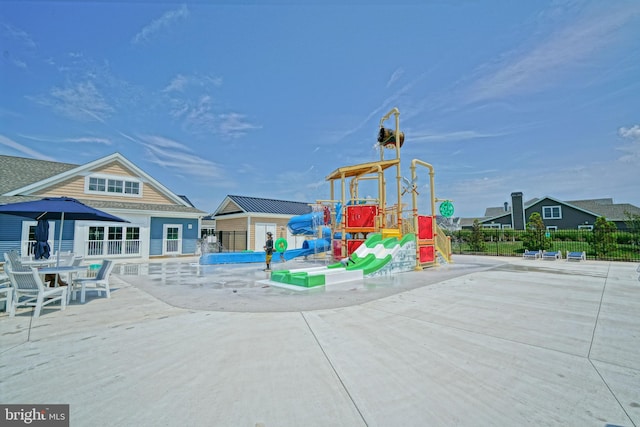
point(390, 232)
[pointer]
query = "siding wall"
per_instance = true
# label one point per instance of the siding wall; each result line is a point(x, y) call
point(232, 224)
point(189, 236)
point(74, 187)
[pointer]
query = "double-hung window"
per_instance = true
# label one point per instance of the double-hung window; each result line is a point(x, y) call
point(551, 212)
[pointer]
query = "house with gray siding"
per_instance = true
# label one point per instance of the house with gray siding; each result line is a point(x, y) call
point(556, 214)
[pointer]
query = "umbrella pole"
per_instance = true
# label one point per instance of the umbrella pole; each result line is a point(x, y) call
point(55, 279)
point(60, 240)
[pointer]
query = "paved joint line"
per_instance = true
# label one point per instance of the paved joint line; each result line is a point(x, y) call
point(595, 324)
point(612, 393)
point(355, 405)
point(593, 335)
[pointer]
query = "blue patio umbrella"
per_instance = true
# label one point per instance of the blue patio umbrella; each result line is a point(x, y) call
point(41, 249)
point(60, 208)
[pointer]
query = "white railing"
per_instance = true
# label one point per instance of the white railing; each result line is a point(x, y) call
point(171, 246)
point(112, 247)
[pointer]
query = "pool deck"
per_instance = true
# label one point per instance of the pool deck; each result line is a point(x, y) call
point(484, 341)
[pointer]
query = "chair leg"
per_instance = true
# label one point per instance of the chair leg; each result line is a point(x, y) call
point(39, 303)
point(83, 293)
point(12, 307)
point(63, 300)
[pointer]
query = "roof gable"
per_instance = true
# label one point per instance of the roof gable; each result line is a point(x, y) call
point(55, 173)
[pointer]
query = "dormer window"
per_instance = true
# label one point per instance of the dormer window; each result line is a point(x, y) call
point(113, 185)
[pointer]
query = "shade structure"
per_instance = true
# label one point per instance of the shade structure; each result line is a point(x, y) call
point(61, 208)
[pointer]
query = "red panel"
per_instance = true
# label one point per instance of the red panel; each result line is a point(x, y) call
point(352, 245)
point(337, 249)
point(361, 215)
point(425, 227)
point(427, 254)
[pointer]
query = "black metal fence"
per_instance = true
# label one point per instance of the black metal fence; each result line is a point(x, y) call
point(612, 246)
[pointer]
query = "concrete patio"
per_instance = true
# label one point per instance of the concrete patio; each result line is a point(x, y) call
point(484, 341)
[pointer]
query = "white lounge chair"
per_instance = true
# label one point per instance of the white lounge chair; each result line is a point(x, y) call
point(576, 256)
point(28, 290)
point(552, 255)
point(532, 254)
point(99, 283)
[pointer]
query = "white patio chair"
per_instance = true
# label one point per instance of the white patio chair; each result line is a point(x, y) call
point(98, 283)
point(13, 259)
point(29, 291)
point(6, 292)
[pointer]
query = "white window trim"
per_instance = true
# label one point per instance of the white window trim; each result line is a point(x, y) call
point(552, 228)
point(165, 228)
point(550, 208)
point(585, 227)
point(493, 225)
point(106, 177)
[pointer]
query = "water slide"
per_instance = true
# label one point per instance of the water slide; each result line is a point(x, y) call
point(371, 256)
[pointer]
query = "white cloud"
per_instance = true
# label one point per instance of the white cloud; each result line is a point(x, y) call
point(19, 35)
point(234, 125)
point(451, 136)
point(81, 101)
point(179, 158)
point(178, 84)
point(395, 76)
point(159, 24)
point(543, 65)
point(23, 149)
point(17, 43)
point(79, 140)
point(632, 132)
point(632, 149)
point(160, 141)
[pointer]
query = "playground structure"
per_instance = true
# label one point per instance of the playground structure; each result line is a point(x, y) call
point(354, 218)
point(346, 221)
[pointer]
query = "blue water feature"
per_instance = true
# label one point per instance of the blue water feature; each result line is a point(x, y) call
point(309, 247)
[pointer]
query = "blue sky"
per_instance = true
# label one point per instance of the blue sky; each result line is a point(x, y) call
point(267, 99)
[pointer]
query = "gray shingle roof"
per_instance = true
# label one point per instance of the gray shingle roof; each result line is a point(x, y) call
point(272, 206)
point(16, 172)
point(611, 211)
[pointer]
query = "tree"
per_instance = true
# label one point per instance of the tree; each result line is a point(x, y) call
point(632, 222)
point(603, 240)
point(476, 241)
point(535, 238)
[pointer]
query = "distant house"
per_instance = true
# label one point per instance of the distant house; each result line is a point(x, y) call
point(241, 222)
point(556, 214)
point(161, 222)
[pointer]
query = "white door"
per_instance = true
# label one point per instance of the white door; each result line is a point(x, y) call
point(28, 237)
point(261, 235)
point(172, 239)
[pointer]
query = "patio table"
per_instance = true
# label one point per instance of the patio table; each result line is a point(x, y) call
point(66, 269)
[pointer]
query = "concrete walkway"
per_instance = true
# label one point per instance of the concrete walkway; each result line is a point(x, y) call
point(485, 341)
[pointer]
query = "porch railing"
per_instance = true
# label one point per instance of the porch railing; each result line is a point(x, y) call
point(112, 247)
